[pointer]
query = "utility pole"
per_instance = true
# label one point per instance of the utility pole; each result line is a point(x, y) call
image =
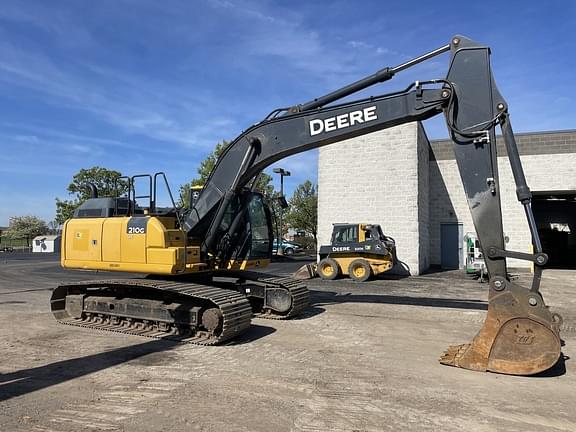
point(283, 173)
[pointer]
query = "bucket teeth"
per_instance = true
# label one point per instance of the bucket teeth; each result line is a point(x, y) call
point(453, 354)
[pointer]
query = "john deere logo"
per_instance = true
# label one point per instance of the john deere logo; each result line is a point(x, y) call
point(341, 121)
point(525, 340)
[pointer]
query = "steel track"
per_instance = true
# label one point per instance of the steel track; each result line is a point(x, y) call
point(234, 307)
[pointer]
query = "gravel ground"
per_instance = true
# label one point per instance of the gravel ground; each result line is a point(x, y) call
point(364, 357)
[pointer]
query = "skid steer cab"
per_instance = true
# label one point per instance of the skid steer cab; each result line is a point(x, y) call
point(359, 251)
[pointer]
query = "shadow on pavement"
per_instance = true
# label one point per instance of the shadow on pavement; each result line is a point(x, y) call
point(309, 312)
point(557, 370)
point(390, 276)
point(25, 290)
point(320, 298)
point(255, 332)
point(30, 380)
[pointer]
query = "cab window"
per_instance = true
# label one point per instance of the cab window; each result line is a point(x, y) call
point(345, 234)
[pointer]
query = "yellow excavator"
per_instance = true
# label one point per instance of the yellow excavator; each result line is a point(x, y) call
point(201, 285)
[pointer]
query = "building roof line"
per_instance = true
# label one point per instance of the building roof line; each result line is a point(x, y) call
point(519, 134)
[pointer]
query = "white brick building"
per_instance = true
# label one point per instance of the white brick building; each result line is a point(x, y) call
point(412, 187)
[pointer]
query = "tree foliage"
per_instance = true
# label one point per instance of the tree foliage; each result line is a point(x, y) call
point(273, 202)
point(204, 170)
point(264, 182)
point(27, 227)
point(104, 180)
point(303, 211)
point(64, 210)
point(208, 164)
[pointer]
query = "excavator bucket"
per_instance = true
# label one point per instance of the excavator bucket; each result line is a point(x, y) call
point(307, 271)
point(520, 336)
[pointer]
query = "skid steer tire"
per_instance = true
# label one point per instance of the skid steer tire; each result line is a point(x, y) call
point(360, 270)
point(328, 269)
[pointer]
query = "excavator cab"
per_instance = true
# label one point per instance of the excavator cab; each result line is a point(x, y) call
point(244, 237)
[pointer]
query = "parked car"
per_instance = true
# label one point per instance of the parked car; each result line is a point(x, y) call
point(288, 247)
point(6, 249)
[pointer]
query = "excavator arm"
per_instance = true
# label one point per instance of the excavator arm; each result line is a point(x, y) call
point(520, 335)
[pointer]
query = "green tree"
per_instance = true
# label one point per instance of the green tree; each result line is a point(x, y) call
point(104, 180)
point(208, 164)
point(64, 210)
point(303, 211)
point(264, 185)
point(274, 203)
point(264, 182)
point(26, 227)
point(206, 167)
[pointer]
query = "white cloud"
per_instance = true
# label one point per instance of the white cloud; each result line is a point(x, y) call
point(31, 139)
point(44, 17)
point(84, 149)
point(366, 47)
point(137, 106)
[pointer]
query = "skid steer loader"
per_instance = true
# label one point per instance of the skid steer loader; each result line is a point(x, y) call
point(359, 251)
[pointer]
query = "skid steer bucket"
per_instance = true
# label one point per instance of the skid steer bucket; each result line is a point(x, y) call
point(520, 336)
point(307, 271)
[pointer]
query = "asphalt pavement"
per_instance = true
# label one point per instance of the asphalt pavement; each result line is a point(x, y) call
point(363, 357)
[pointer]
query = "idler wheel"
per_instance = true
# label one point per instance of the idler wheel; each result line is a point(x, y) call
point(212, 319)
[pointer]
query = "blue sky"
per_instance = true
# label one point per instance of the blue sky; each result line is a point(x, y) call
point(146, 85)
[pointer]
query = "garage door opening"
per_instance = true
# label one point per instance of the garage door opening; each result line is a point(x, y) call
point(555, 214)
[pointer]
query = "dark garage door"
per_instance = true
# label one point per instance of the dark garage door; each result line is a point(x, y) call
point(451, 244)
point(555, 214)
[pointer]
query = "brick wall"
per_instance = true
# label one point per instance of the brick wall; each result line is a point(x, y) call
point(550, 171)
